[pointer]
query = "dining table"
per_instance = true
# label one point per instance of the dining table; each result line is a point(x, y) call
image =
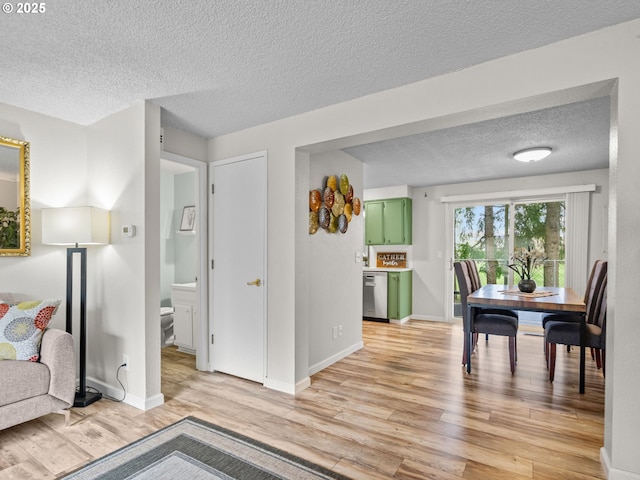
point(543, 299)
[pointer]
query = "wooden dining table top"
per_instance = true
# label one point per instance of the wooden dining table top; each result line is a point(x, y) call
point(557, 299)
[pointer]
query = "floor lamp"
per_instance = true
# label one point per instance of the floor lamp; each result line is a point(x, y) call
point(77, 226)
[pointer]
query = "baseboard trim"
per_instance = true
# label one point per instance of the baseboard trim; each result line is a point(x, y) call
point(614, 473)
point(604, 460)
point(302, 384)
point(400, 321)
point(133, 400)
point(313, 369)
point(306, 382)
point(428, 318)
point(279, 386)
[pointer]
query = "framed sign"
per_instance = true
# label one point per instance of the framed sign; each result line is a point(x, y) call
point(391, 260)
point(188, 222)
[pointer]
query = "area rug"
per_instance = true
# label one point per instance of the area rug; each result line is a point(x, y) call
point(197, 450)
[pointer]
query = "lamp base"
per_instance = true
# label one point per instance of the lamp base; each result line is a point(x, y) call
point(86, 398)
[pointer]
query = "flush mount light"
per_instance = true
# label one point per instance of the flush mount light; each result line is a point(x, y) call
point(532, 154)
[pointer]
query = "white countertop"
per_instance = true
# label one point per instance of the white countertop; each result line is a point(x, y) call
point(376, 269)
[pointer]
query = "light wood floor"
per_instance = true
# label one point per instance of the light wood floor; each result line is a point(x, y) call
point(400, 408)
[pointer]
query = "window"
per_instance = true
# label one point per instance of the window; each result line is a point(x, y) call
point(484, 233)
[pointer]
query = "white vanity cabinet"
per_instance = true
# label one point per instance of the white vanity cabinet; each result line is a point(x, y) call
point(185, 316)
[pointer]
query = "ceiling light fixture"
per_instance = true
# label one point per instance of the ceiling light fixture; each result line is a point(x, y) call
point(532, 154)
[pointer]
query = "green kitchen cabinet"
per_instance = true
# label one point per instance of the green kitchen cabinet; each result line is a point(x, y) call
point(399, 294)
point(388, 222)
point(373, 223)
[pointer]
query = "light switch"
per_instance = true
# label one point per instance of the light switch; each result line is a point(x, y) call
point(128, 230)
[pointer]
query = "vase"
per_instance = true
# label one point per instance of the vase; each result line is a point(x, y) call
point(527, 285)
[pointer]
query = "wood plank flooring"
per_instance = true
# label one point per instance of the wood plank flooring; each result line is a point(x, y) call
point(402, 408)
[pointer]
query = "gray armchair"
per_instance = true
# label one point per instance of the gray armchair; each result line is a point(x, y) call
point(32, 389)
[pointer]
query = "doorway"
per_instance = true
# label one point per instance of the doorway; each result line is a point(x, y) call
point(183, 249)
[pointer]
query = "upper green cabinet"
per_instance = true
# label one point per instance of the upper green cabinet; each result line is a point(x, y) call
point(388, 222)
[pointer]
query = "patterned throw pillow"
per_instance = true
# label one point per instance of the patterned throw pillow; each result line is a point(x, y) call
point(22, 326)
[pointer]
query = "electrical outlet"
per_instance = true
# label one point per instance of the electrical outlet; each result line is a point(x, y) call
point(339, 330)
point(335, 332)
point(125, 361)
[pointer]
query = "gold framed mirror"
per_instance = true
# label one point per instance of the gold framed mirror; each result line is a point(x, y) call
point(15, 209)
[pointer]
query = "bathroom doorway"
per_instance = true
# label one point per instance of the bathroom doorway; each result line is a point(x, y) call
point(183, 272)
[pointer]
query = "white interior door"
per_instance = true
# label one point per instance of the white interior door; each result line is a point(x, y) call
point(238, 296)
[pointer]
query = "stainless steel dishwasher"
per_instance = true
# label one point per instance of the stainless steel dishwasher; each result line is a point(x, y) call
point(374, 295)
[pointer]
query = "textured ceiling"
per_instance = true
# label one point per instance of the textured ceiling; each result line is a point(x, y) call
point(578, 133)
point(220, 66)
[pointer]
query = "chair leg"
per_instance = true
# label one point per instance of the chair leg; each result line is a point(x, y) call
point(512, 354)
point(486, 337)
point(464, 350)
point(552, 360)
point(515, 343)
point(593, 354)
point(597, 357)
point(604, 354)
point(546, 352)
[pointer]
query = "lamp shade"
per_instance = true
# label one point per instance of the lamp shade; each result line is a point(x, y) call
point(75, 225)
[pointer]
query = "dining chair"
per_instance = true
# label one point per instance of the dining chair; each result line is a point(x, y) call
point(597, 276)
point(491, 321)
point(476, 283)
point(568, 333)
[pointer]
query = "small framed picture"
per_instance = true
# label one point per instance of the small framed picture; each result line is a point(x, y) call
point(188, 222)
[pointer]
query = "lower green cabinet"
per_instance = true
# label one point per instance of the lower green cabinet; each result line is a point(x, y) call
point(399, 294)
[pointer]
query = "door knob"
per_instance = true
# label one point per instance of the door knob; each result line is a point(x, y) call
point(256, 282)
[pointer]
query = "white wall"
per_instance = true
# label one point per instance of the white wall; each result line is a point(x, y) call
point(394, 191)
point(167, 236)
point(124, 176)
point(58, 178)
point(335, 278)
point(504, 86)
point(177, 250)
point(184, 143)
point(101, 165)
point(186, 188)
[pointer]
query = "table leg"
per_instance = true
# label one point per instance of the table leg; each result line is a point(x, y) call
point(468, 337)
point(583, 337)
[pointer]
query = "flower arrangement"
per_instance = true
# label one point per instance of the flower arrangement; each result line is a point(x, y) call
point(526, 260)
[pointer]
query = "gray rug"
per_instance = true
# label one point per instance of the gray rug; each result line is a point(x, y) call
point(197, 450)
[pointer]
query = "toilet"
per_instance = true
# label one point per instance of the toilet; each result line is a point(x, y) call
point(166, 326)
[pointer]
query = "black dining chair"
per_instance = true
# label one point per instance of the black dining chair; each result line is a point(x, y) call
point(476, 283)
point(488, 321)
point(568, 333)
point(597, 276)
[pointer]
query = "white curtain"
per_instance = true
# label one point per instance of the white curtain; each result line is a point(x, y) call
point(577, 241)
